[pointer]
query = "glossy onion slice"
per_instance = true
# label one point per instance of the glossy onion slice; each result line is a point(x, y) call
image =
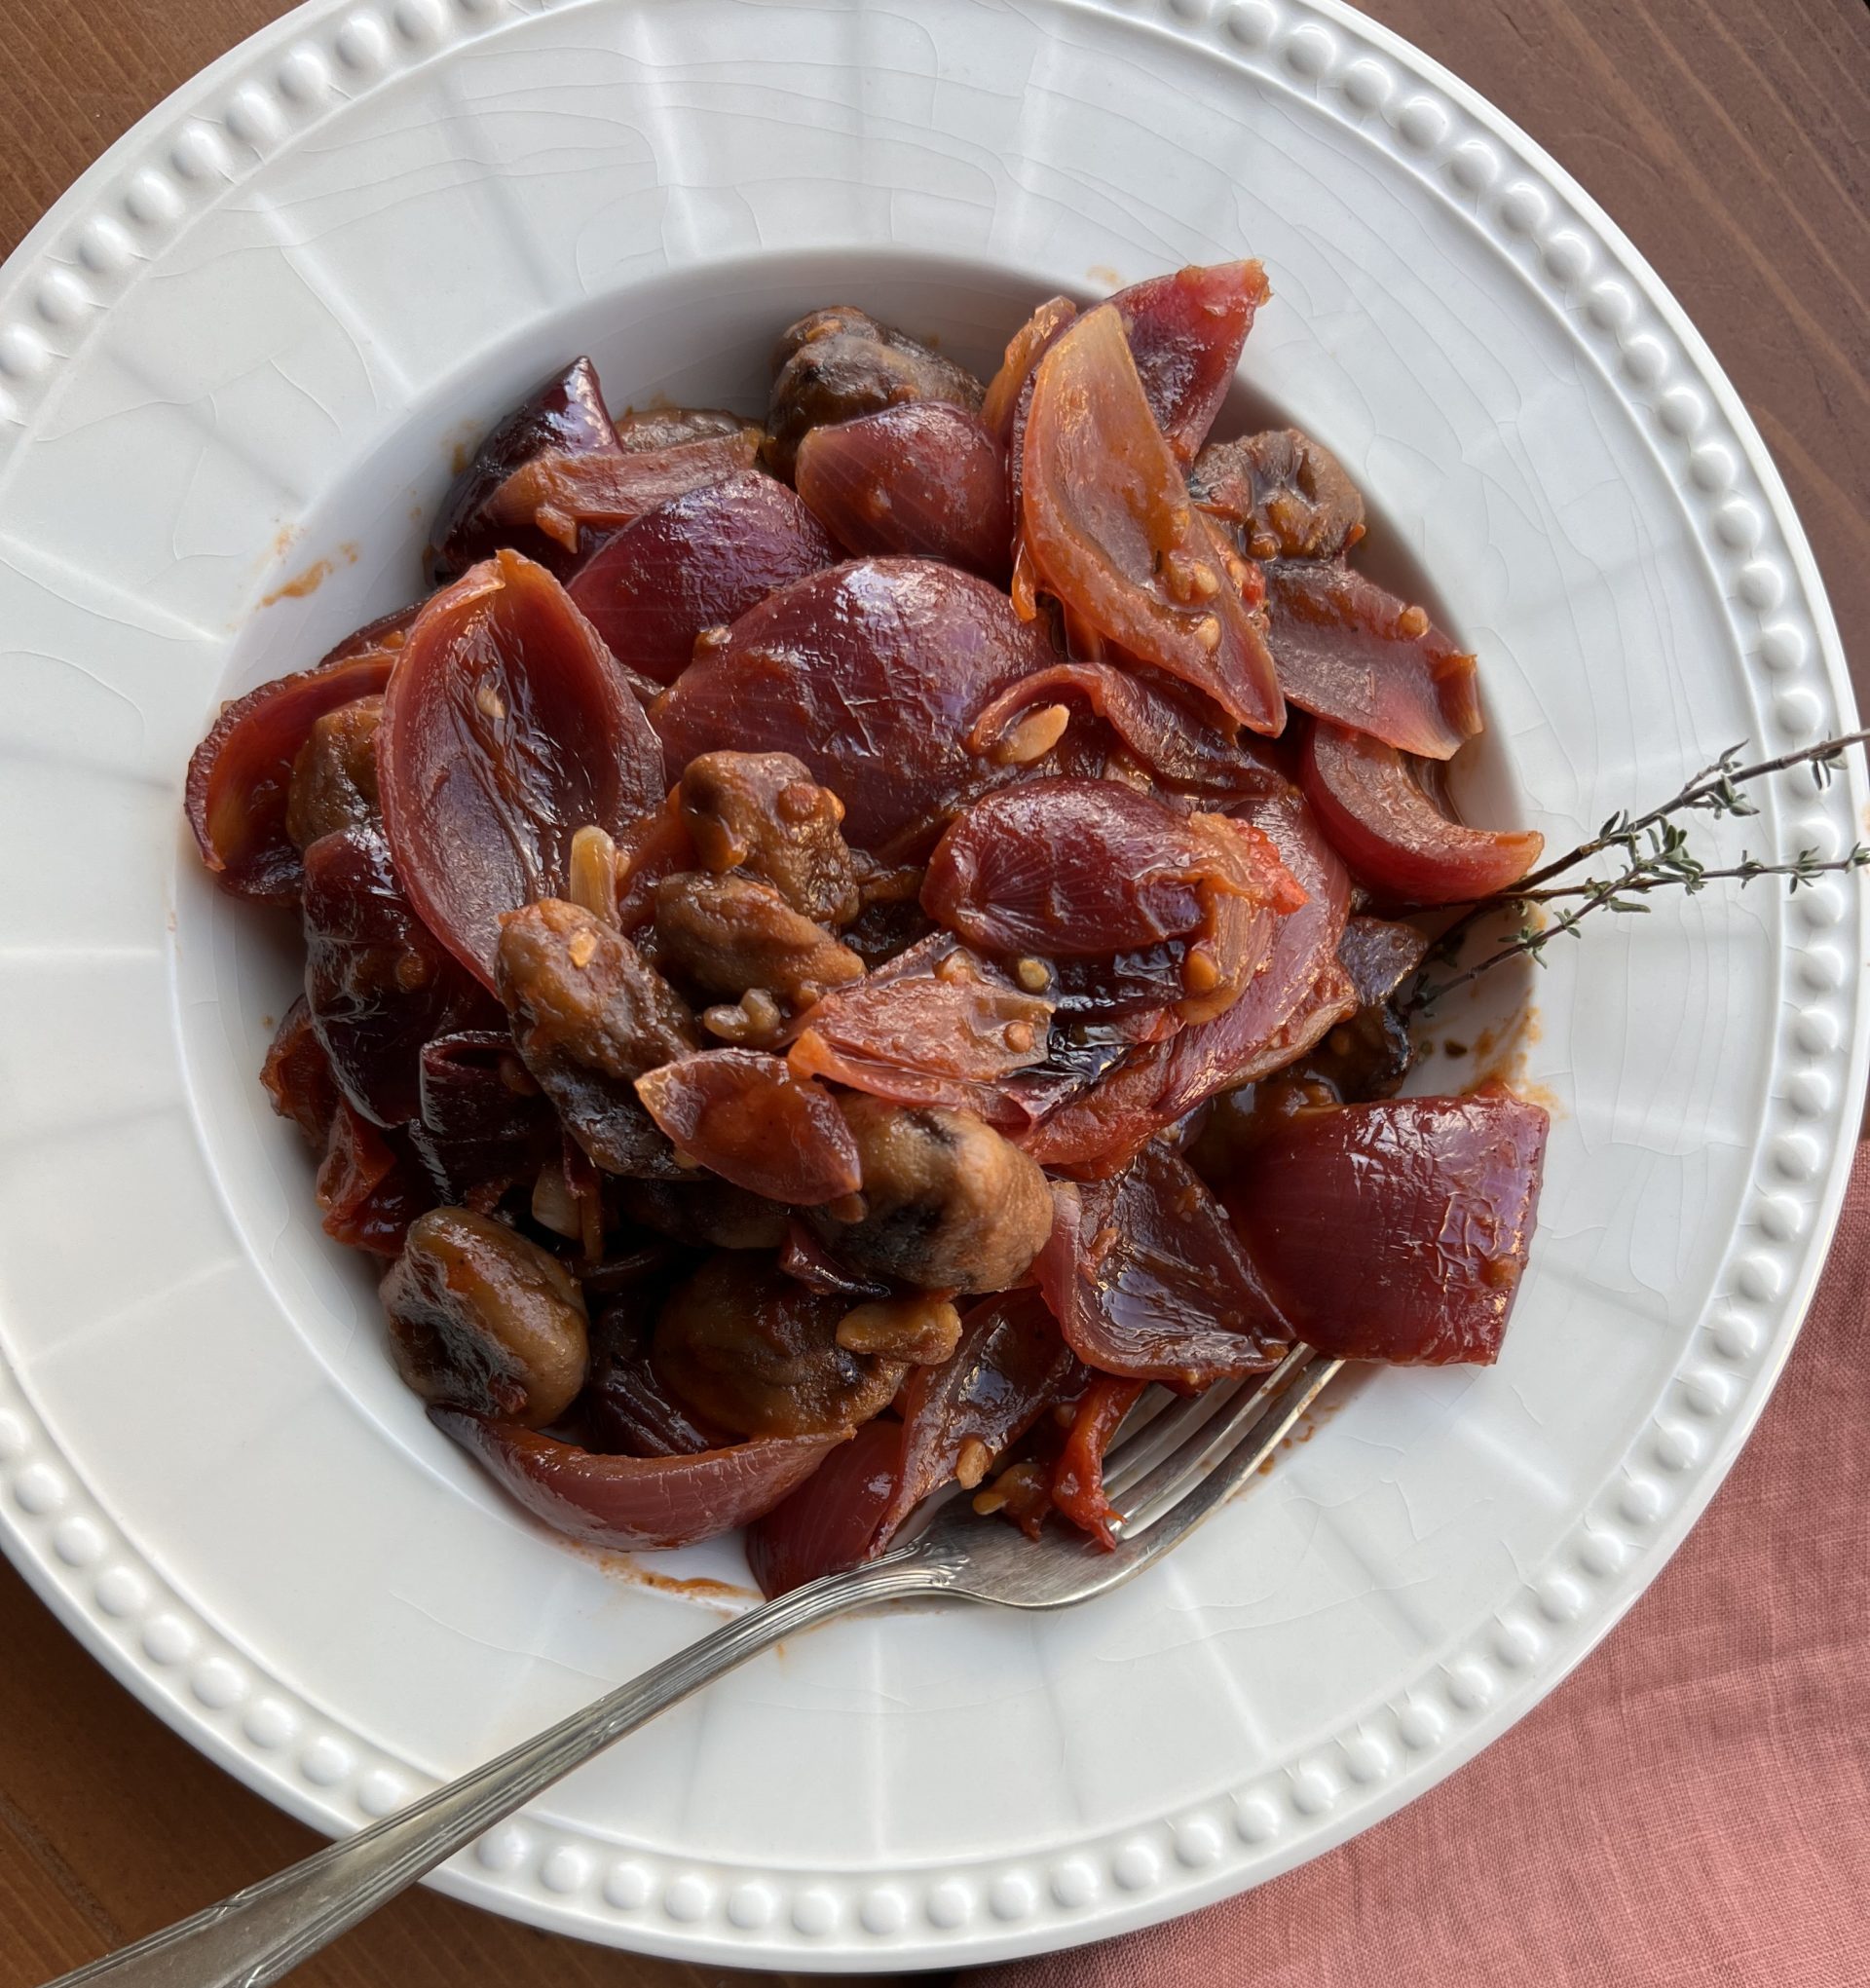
point(695, 562)
point(241, 774)
point(297, 1076)
point(1010, 1367)
point(559, 504)
point(368, 1186)
point(1172, 731)
point(1396, 840)
point(1006, 388)
point(1396, 1230)
point(871, 673)
point(937, 1024)
point(1185, 334)
point(1148, 1280)
point(565, 415)
point(831, 1521)
point(1161, 1082)
point(748, 1118)
point(637, 1501)
point(1106, 518)
point(505, 728)
point(1348, 650)
point(378, 982)
point(1379, 956)
point(1078, 1478)
point(1062, 867)
point(924, 478)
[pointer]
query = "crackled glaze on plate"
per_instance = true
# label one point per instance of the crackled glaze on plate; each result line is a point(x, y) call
point(235, 362)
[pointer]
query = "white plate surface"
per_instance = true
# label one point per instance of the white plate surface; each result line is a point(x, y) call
point(238, 358)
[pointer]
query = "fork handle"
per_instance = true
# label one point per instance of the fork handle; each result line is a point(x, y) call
point(258, 1934)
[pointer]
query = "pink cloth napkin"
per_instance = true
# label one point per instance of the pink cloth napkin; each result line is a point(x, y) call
point(1691, 1810)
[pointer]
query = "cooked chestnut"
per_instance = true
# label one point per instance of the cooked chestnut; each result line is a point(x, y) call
point(590, 1015)
point(1286, 494)
point(748, 1348)
point(834, 364)
point(762, 813)
point(483, 1320)
point(729, 934)
point(947, 1203)
point(335, 777)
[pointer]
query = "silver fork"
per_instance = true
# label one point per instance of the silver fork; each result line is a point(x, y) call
point(1165, 1478)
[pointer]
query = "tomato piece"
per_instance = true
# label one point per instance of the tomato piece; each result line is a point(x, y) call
point(637, 1501)
point(239, 777)
point(1185, 334)
point(924, 478)
point(505, 728)
point(1078, 1478)
point(750, 1119)
point(695, 562)
point(1388, 829)
point(1348, 650)
point(1396, 1230)
point(1107, 520)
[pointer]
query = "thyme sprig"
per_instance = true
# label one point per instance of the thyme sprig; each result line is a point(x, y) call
point(1656, 856)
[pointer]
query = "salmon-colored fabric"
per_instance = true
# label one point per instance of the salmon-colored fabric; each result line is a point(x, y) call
point(1690, 1810)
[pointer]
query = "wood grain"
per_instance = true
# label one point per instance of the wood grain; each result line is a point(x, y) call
point(1727, 142)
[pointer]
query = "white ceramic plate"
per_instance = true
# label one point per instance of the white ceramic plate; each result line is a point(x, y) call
point(235, 361)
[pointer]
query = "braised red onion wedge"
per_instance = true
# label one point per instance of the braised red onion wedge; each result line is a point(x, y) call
point(924, 478)
point(1148, 1279)
point(563, 415)
point(1183, 740)
point(750, 1119)
point(637, 1502)
point(378, 982)
point(297, 1076)
point(505, 728)
point(1078, 1478)
point(1348, 650)
point(960, 1417)
point(872, 674)
point(831, 1523)
point(1396, 1230)
point(695, 562)
point(559, 504)
point(1159, 1082)
point(1379, 955)
point(369, 1185)
point(1005, 389)
point(1385, 825)
point(1062, 867)
point(1185, 334)
point(1106, 518)
point(239, 777)
point(937, 1009)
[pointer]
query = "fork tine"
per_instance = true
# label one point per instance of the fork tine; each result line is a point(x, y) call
point(1137, 1451)
point(1241, 1427)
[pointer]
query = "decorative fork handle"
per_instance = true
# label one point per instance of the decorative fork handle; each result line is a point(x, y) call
point(262, 1933)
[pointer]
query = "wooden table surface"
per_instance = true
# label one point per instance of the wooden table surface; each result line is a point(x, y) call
point(1728, 140)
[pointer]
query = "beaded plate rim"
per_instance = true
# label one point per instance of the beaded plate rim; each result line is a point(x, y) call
point(103, 232)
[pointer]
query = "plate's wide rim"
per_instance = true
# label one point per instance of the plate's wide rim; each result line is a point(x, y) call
point(1436, 126)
